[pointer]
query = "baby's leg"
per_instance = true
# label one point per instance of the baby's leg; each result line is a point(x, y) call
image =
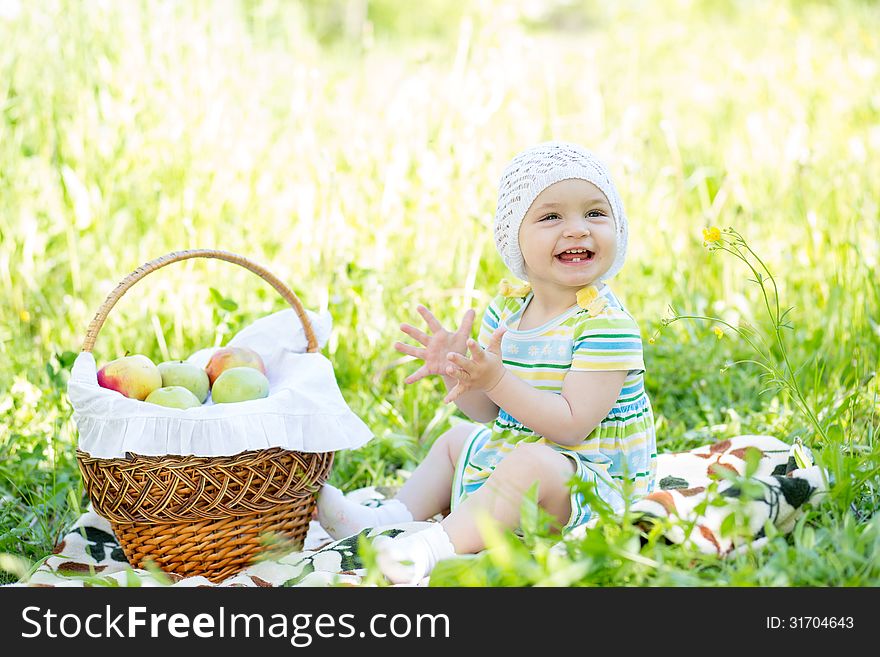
point(502, 495)
point(424, 494)
point(410, 558)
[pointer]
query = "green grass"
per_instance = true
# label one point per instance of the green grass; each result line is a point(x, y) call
point(358, 160)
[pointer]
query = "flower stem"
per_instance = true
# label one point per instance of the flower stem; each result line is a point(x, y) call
point(787, 376)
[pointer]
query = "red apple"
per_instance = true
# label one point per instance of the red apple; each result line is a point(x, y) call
point(133, 376)
point(229, 357)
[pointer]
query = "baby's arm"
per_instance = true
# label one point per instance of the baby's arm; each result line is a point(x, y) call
point(589, 390)
point(565, 418)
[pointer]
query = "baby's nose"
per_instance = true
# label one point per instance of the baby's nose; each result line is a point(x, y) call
point(577, 228)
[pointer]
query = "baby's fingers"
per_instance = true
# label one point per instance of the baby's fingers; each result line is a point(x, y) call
point(495, 341)
point(462, 362)
point(453, 394)
point(420, 373)
point(415, 333)
point(467, 322)
point(410, 350)
point(476, 350)
point(432, 322)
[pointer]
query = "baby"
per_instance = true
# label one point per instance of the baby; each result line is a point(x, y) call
point(557, 369)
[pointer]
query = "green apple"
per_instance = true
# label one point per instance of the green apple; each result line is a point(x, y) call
point(239, 384)
point(133, 376)
point(173, 397)
point(189, 376)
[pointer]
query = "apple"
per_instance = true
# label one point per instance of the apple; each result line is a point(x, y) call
point(133, 376)
point(239, 384)
point(180, 373)
point(173, 397)
point(229, 357)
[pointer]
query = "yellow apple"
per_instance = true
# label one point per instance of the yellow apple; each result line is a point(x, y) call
point(133, 376)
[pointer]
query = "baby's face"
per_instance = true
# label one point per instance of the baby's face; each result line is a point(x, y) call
point(570, 214)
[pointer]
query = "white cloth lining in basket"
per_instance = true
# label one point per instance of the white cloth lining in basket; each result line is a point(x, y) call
point(305, 410)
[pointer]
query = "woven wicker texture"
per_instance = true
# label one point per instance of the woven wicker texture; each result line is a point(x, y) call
point(208, 516)
point(194, 488)
point(205, 515)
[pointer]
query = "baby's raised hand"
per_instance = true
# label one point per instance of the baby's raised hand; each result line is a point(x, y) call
point(482, 371)
point(437, 345)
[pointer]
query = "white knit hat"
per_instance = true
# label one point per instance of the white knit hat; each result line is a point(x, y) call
point(533, 171)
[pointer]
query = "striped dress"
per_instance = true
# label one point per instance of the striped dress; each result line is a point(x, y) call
point(601, 337)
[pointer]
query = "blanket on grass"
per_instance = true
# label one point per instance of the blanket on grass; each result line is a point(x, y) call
point(782, 480)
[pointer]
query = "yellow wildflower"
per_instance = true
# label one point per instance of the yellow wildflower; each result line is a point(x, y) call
point(712, 234)
point(586, 295)
point(506, 289)
point(24, 315)
point(651, 341)
point(718, 332)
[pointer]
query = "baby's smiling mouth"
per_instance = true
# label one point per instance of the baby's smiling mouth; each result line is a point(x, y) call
point(575, 255)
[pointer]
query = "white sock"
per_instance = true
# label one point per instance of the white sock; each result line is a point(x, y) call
point(341, 517)
point(407, 559)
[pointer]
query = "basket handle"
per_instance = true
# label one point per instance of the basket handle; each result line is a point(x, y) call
point(177, 256)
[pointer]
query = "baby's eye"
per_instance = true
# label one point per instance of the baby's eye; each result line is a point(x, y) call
point(550, 216)
point(595, 213)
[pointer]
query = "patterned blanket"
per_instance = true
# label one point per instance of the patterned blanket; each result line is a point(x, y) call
point(781, 481)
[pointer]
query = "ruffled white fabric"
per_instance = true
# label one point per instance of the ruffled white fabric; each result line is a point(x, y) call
point(304, 411)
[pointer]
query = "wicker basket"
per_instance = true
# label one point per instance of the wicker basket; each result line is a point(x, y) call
point(195, 515)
